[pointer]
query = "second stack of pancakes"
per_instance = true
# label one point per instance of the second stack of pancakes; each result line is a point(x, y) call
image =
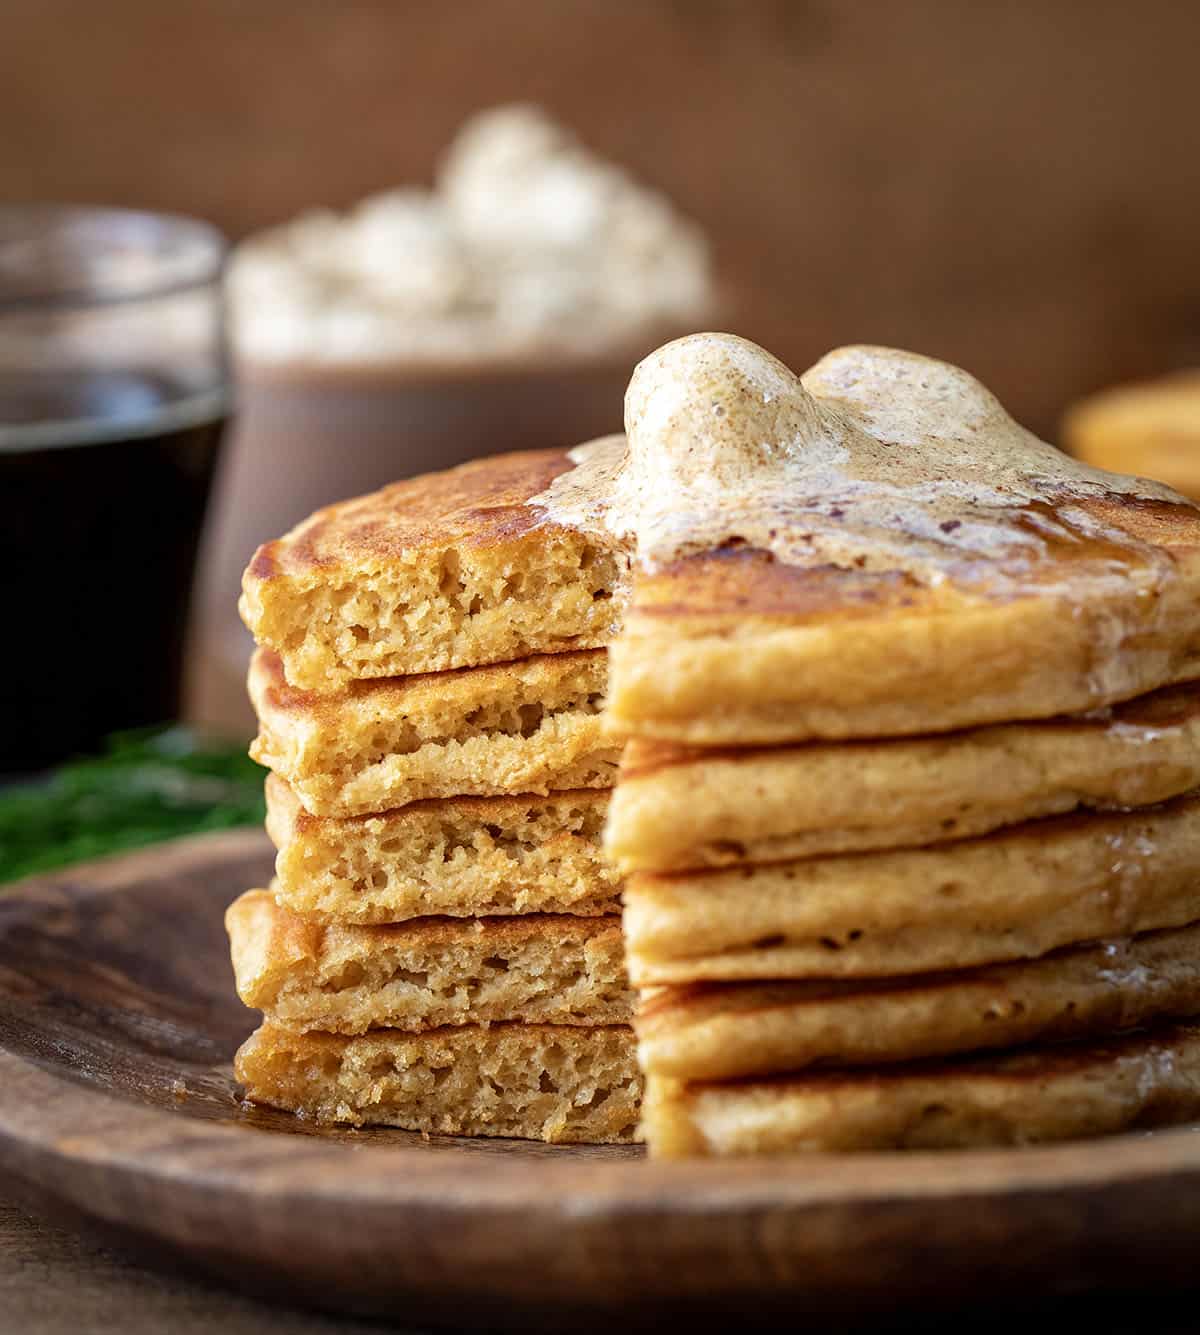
point(909, 865)
point(441, 949)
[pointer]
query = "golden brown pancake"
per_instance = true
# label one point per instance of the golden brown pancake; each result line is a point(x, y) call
point(1151, 428)
point(678, 807)
point(1013, 894)
point(448, 570)
point(458, 856)
point(1023, 1098)
point(559, 1083)
point(539, 969)
point(733, 648)
point(727, 1031)
point(524, 727)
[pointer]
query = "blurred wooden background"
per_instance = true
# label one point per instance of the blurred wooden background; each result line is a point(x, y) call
point(1014, 185)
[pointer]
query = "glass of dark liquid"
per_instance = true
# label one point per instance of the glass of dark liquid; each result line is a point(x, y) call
point(114, 390)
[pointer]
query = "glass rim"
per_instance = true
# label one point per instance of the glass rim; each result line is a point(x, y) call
point(191, 253)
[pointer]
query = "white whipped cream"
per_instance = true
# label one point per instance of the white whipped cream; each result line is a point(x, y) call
point(530, 246)
point(874, 458)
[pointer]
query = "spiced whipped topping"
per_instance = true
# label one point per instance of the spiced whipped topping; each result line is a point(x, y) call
point(874, 458)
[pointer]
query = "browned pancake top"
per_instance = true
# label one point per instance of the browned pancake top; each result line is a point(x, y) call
point(486, 503)
point(479, 504)
point(734, 583)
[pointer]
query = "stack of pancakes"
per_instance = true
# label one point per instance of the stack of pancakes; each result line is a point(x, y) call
point(441, 949)
point(909, 813)
point(911, 860)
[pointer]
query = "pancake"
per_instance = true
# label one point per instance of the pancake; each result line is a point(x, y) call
point(448, 570)
point(541, 969)
point(727, 1031)
point(524, 727)
point(1151, 427)
point(556, 1083)
point(874, 549)
point(1013, 894)
point(458, 856)
point(1023, 1098)
point(794, 654)
point(677, 807)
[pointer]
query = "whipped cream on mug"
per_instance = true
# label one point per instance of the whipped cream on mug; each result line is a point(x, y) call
point(530, 246)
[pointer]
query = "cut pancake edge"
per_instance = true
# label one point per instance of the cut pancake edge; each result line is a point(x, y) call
point(460, 857)
point(445, 571)
point(496, 808)
point(535, 729)
point(557, 1083)
point(427, 973)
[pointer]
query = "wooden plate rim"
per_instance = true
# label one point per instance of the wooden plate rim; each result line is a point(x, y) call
point(181, 1180)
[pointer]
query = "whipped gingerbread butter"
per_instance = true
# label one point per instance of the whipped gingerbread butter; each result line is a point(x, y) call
point(874, 458)
point(530, 246)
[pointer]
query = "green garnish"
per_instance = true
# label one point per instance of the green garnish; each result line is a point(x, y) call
point(149, 785)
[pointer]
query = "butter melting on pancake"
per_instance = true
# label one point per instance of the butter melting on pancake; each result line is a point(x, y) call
point(875, 459)
point(873, 549)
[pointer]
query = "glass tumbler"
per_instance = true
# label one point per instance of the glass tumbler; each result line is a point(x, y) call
point(114, 390)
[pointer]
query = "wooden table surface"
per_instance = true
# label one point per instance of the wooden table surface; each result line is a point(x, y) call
point(55, 1283)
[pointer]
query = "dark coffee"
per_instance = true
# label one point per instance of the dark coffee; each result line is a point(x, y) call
point(104, 477)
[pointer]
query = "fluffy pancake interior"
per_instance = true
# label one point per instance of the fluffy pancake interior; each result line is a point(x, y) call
point(444, 571)
point(542, 968)
point(527, 726)
point(557, 1083)
point(455, 856)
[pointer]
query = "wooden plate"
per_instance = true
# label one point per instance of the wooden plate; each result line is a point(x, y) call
point(118, 1109)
